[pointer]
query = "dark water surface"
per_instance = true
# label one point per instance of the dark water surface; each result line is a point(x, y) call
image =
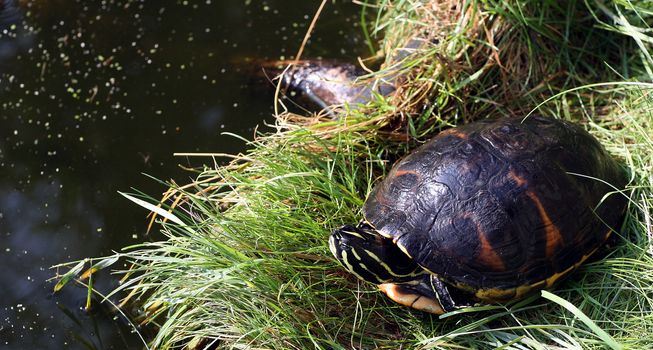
point(95, 93)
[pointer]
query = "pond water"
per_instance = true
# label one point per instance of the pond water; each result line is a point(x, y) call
point(95, 94)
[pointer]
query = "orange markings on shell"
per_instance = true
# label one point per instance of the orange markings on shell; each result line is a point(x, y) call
point(553, 236)
point(455, 133)
point(520, 181)
point(488, 255)
point(402, 172)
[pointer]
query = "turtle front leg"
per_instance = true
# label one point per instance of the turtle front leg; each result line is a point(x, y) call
point(428, 294)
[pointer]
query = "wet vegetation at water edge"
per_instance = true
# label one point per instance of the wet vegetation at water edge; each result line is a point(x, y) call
point(245, 261)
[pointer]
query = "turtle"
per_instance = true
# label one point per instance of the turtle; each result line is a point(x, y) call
point(487, 212)
point(318, 84)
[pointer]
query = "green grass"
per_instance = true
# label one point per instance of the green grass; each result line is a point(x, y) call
point(250, 267)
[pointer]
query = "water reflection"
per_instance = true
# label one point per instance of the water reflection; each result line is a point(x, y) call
point(95, 93)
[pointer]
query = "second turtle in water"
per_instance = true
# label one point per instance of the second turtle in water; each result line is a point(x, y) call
point(486, 212)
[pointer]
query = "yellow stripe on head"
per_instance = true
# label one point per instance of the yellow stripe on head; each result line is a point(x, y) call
point(370, 256)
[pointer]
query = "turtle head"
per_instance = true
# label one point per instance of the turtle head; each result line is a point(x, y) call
point(372, 257)
point(377, 259)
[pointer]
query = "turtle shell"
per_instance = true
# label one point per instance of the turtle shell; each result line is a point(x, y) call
point(501, 207)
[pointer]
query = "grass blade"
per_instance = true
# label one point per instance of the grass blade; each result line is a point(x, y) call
point(603, 335)
point(153, 208)
point(69, 275)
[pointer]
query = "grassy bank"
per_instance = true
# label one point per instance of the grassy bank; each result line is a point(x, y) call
point(245, 262)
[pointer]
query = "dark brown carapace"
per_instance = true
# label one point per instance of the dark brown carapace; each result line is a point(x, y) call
point(498, 209)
